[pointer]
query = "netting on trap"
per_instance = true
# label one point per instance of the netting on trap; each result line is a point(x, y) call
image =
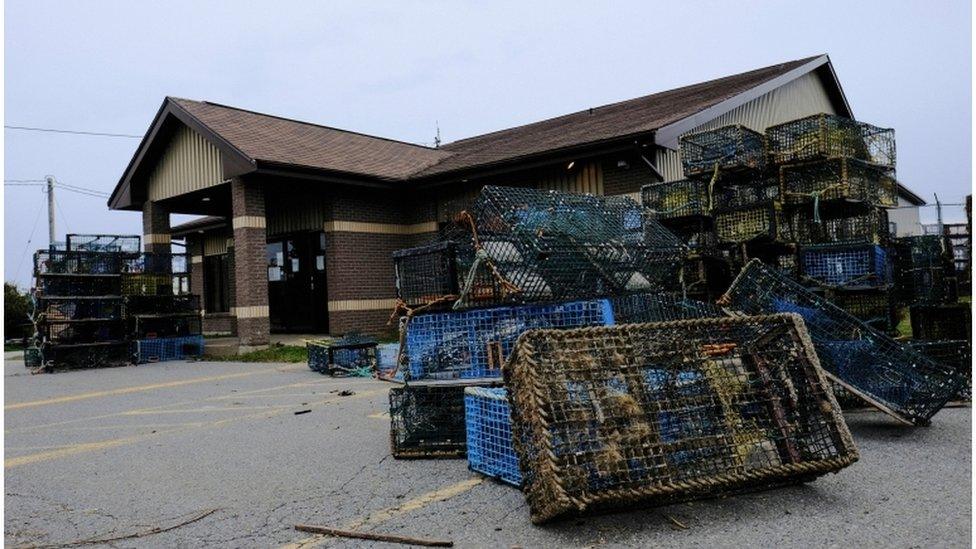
point(521, 245)
point(427, 273)
point(663, 412)
point(676, 199)
point(351, 355)
point(76, 308)
point(167, 326)
point(744, 192)
point(923, 252)
point(154, 284)
point(76, 262)
point(76, 332)
point(837, 179)
point(126, 244)
point(58, 285)
point(474, 344)
point(925, 286)
point(846, 266)
point(827, 136)
point(659, 307)
point(427, 421)
point(168, 348)
point(729, 148)
point(763, 222)
point(883, 372)
point(157, 263)
point(161, 304)
point(97, 355)
point(941, 322)
point(867, 227)
point(783, 259)
point(956, 353)
point(705, 276)
point(874, 307)
point(698, 235)
point(489, 434)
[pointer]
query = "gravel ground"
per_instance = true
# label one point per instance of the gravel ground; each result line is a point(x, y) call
point(111, 452)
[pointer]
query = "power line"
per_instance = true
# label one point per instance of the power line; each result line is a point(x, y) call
point(73, 188)
point(30, 238)
point(72, 132)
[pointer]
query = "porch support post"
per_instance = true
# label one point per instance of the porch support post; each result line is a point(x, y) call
point(250, 266)
point(155, 227)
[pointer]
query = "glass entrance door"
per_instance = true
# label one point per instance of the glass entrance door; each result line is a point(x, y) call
point(296, 283)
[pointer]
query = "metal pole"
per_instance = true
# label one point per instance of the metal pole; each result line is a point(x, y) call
point(938, 211)
point(50, 210)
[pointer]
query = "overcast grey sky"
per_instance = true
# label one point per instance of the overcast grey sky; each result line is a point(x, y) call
point(392, 69)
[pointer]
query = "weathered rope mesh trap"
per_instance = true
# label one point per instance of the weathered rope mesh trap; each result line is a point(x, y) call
point(728, 148)
point(869, 227)
point(427, 421)
point(521, 245)
point(489, 434)
point(828, 136)
point(352, 355)
point(677, 199)
point(762, 222)
point(663, 412)
point(838, 179)
point(890, 376)
point(957, 353)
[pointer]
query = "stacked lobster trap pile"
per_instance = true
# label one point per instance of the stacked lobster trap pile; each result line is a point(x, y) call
point(94, 305)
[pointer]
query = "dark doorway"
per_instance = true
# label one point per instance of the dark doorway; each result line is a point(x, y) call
point(297, 300)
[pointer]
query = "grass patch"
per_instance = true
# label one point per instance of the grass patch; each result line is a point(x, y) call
point(11, 347)
point(275, 353)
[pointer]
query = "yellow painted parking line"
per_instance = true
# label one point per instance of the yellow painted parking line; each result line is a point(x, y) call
point(128, 390)
point(206, 409)
point(379, 415)
point(383, 515)
point(75, 449)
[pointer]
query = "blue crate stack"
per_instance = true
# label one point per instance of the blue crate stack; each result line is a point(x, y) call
point(489, 434)
point(169, 348)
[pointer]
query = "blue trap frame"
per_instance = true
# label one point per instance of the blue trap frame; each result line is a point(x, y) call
point(488, 424)
point(168, 348)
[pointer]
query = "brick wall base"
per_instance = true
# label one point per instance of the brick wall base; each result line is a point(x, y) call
point(373, 323)
point(220, 323)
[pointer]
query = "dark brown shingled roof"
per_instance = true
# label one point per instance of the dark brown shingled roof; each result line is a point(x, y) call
point(269, 138)
point(634, 116)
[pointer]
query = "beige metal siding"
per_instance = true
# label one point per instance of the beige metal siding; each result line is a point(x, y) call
point(287, 213)
point(585, 178)
point(214, 244)
point(190, 163)
point(801, 97)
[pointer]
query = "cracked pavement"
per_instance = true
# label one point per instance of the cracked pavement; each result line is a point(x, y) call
point(112, 452)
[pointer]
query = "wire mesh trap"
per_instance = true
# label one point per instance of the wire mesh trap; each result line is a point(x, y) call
point(162, 304)
point(827, 136)
point(874, 307)
point(157, 263)
point(489, 434)
point(955, 353)
point(76, 262)
point(168, 348)
point(706, 277)
point(941, 322)
point(150, 284)
point(352, 355)
point(521, 245)
point(837, 179)
point(923, 252)
point(427, 421)
point(76, 308)
point(764, 222)
point(657, 307)
point(153, 326)
point(126, 244)
point(676, 199)
point(32, 357)
point(890, 376)
point(743, 191)
point(76, 332)
point(925, 286)
point(850, 266)
point(474, 344)
point(664, 412)
point(426, 274)
point(65, 285)
point(95, 355)
point(729, 148)
point(868, 227)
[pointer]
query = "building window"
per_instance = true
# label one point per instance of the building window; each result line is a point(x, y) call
point(216, 284)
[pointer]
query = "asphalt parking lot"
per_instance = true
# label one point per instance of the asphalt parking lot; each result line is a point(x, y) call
point(106, 453)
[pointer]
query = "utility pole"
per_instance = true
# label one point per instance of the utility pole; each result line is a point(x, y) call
point(938, 212)
point(50, 210)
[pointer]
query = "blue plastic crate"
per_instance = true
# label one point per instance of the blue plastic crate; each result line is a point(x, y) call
point(489, 434)
point(474, 344)
point(168, 348)
point(847, 266)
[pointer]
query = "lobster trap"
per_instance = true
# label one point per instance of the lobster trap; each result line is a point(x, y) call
point(521, 245)
point(353, 354)
point(80, 332)
point(474, 344)
point(874, 307)
point(783, 258)
point(745, 192)
point(763, 222)
point(886, 374)
point(168, 348)
point(836, 180)
point(829, 136)
point(154, 284)
point(426, 274)
point(729, 148)
point(665, 412)
point(67, 285)
point(427, 421)
point(846, 266)
point(956, 353)
point(125, 244)
point(671, 200)
point(76, 262)
point(698, 235)
point(867, 227)
point(658, 307)
point(923, 252)
point(925, 286)
point(942, 322)
point(76, 308)
point(158, 326)
point(157, 263)
point(162, 304)
point(489, 434)
point(95, 355)
point(32, 357)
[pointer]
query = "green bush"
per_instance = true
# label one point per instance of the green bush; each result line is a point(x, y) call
point(16, 307)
